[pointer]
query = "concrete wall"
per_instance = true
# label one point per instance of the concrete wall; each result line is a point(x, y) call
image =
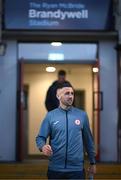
point(108, 82)
point(8, 103)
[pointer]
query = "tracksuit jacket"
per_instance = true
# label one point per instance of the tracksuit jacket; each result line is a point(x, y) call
point(69, 131)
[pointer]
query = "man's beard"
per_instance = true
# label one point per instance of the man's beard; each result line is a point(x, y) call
point(69, 102)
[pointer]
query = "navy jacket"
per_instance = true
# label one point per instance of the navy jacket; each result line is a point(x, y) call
point(68, 130)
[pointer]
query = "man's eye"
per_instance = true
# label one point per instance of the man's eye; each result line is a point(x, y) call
point(68, 93)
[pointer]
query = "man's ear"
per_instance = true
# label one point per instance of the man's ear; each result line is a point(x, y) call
point(58, 94)
point(58, 97)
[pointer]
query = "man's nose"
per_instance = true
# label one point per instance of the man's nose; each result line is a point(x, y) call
point(70, 95)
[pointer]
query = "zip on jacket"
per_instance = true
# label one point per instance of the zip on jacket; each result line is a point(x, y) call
point(66, 138)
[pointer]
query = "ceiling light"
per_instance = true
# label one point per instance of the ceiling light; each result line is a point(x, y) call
point(56, 43)
point(50, 69)
point(95, 69)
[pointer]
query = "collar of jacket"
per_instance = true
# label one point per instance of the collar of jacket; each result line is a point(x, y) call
point(69, 108)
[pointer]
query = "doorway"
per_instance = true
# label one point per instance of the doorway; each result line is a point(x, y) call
point(38, 80)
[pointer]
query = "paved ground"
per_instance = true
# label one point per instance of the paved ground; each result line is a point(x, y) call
point(37, 170)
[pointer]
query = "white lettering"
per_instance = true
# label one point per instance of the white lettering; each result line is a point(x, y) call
point(43, 23)
point(63, 15)
point(32, 13)
point(34, 5)
point(58, 14)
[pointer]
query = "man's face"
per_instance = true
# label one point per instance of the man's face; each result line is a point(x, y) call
point(66, 96)
point(61, 78)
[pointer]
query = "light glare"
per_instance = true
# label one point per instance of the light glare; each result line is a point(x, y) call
point(95, 69)
point(56, 43)
point(55, 56)
point(50, 69)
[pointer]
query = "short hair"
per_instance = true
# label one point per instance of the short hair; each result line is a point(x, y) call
point(61, 73)
point(65, 84)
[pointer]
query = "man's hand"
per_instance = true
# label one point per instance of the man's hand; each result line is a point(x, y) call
point(92, 169)
point(47, 150)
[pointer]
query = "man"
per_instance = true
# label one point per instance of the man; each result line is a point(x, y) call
point(68, 129)
point(51, 101)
